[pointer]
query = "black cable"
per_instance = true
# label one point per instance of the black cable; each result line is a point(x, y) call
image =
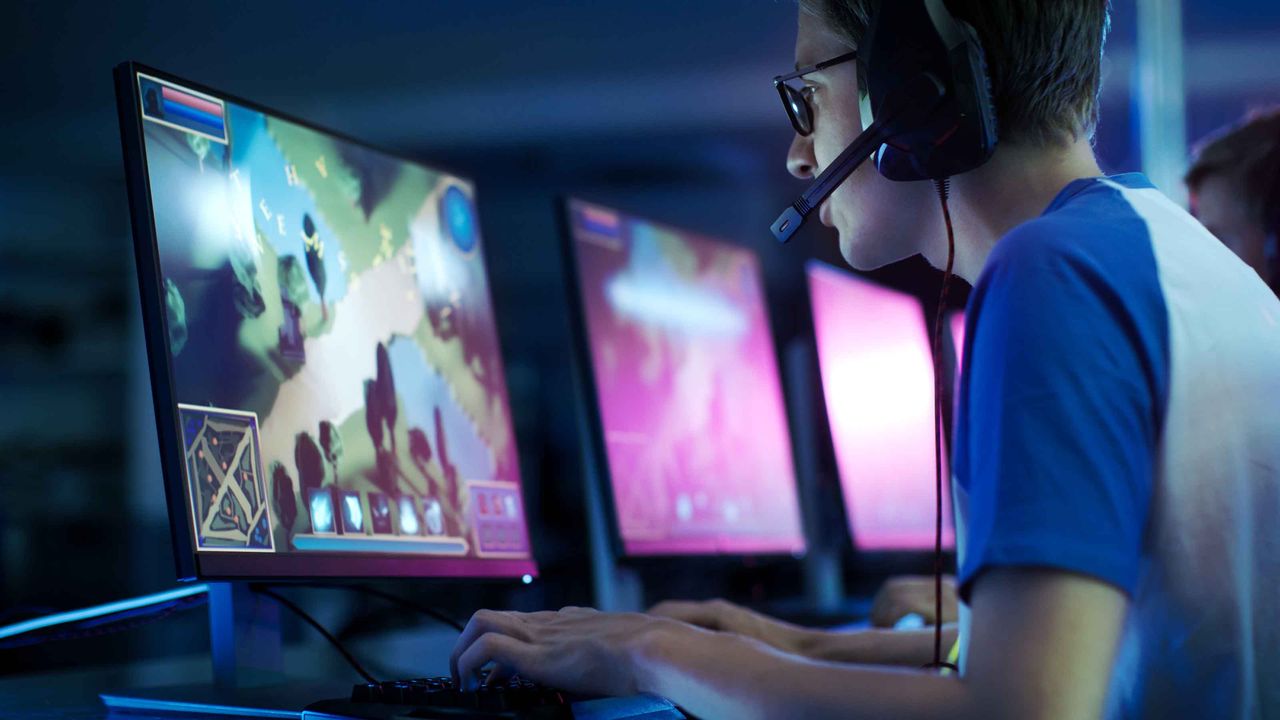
point(337, 644)
point(944, 191)
point(391, 598)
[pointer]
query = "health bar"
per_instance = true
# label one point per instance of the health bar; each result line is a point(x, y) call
point(192, 102)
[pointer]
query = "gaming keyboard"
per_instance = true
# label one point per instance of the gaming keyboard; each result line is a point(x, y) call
point(425, 698)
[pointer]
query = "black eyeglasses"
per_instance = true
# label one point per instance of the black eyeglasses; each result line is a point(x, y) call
point(796, 100)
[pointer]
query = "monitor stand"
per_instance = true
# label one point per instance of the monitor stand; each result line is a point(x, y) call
point(248, 667)
point(615, 587)
point(822, 571)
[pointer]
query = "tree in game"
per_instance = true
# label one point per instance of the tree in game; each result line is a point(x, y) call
point(450, 470)
point(420, 452)
point(282, 494)
point(387, 392)
point(331, 444)
point(373, 414)
point(306, 455)
point(314, 248)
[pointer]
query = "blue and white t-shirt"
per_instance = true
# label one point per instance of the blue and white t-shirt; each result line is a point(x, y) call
point(1119, 416)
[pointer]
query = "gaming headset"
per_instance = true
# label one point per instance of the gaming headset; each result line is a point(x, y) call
point(927, 115)
point(927, 111)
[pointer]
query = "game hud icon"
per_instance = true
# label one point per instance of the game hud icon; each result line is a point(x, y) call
point(320, 502)
point(407, 510)
point(498, 526)
point(434, 516)
point(224, 472)
point(352, 512)
point(380, 514)
point(460, 218)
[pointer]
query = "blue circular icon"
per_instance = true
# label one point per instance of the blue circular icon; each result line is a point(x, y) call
point(460, 218)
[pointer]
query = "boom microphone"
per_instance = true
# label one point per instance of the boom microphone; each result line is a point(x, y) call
point(904, 108)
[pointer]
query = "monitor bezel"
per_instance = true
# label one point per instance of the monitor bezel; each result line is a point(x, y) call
point(587, 398)
point(191, 564)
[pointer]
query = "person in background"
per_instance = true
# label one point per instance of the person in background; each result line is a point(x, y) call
point(1234, 181)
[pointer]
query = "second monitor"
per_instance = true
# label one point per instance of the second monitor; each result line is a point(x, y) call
point(877, 377)
point(684, 388)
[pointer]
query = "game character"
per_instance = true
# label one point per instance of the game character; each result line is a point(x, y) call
point(293, 294)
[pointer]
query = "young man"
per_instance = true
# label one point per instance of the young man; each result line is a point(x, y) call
point(1117, 448)
point(1235, 191)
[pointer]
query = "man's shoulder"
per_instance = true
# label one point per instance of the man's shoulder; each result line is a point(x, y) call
point(1098, 237)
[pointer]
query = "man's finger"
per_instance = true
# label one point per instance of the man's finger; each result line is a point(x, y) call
point(482, 622)
point(509, 653)
point(686, 612)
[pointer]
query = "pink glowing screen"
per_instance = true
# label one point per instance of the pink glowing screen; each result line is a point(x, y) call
point(957, 341)
point(695, 430)
point(877, 377)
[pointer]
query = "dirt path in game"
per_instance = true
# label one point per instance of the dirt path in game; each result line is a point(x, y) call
point(381, 302)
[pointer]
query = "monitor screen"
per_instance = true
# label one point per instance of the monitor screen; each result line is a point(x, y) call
point(957, 342)
point(687, 389)
point(957, 338)
point(326, 326)
point(877, 378)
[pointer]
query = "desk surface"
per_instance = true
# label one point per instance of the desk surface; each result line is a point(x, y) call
point(73, 693)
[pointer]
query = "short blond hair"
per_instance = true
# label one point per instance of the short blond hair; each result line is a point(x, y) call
point(1044, 58)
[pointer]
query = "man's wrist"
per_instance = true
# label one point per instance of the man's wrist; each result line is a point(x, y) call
point(651, 654)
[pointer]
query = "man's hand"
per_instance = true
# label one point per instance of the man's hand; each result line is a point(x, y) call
point(1043, 644)
point(902, 596)
point(575, 649)
point(724, 616)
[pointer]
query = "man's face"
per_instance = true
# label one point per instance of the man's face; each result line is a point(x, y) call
point(878, 221)
point(1216, 203)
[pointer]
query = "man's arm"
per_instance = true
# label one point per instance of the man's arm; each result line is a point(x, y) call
point(872, 647)
point(1042, 647)
point(909, 648)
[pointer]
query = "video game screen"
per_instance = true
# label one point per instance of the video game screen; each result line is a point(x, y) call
point(695, 430)
point(331, 341)
point(877, 378)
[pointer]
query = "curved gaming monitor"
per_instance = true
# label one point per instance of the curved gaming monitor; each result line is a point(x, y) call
point(684, 389)
point(877, 378)
point(329, 389)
